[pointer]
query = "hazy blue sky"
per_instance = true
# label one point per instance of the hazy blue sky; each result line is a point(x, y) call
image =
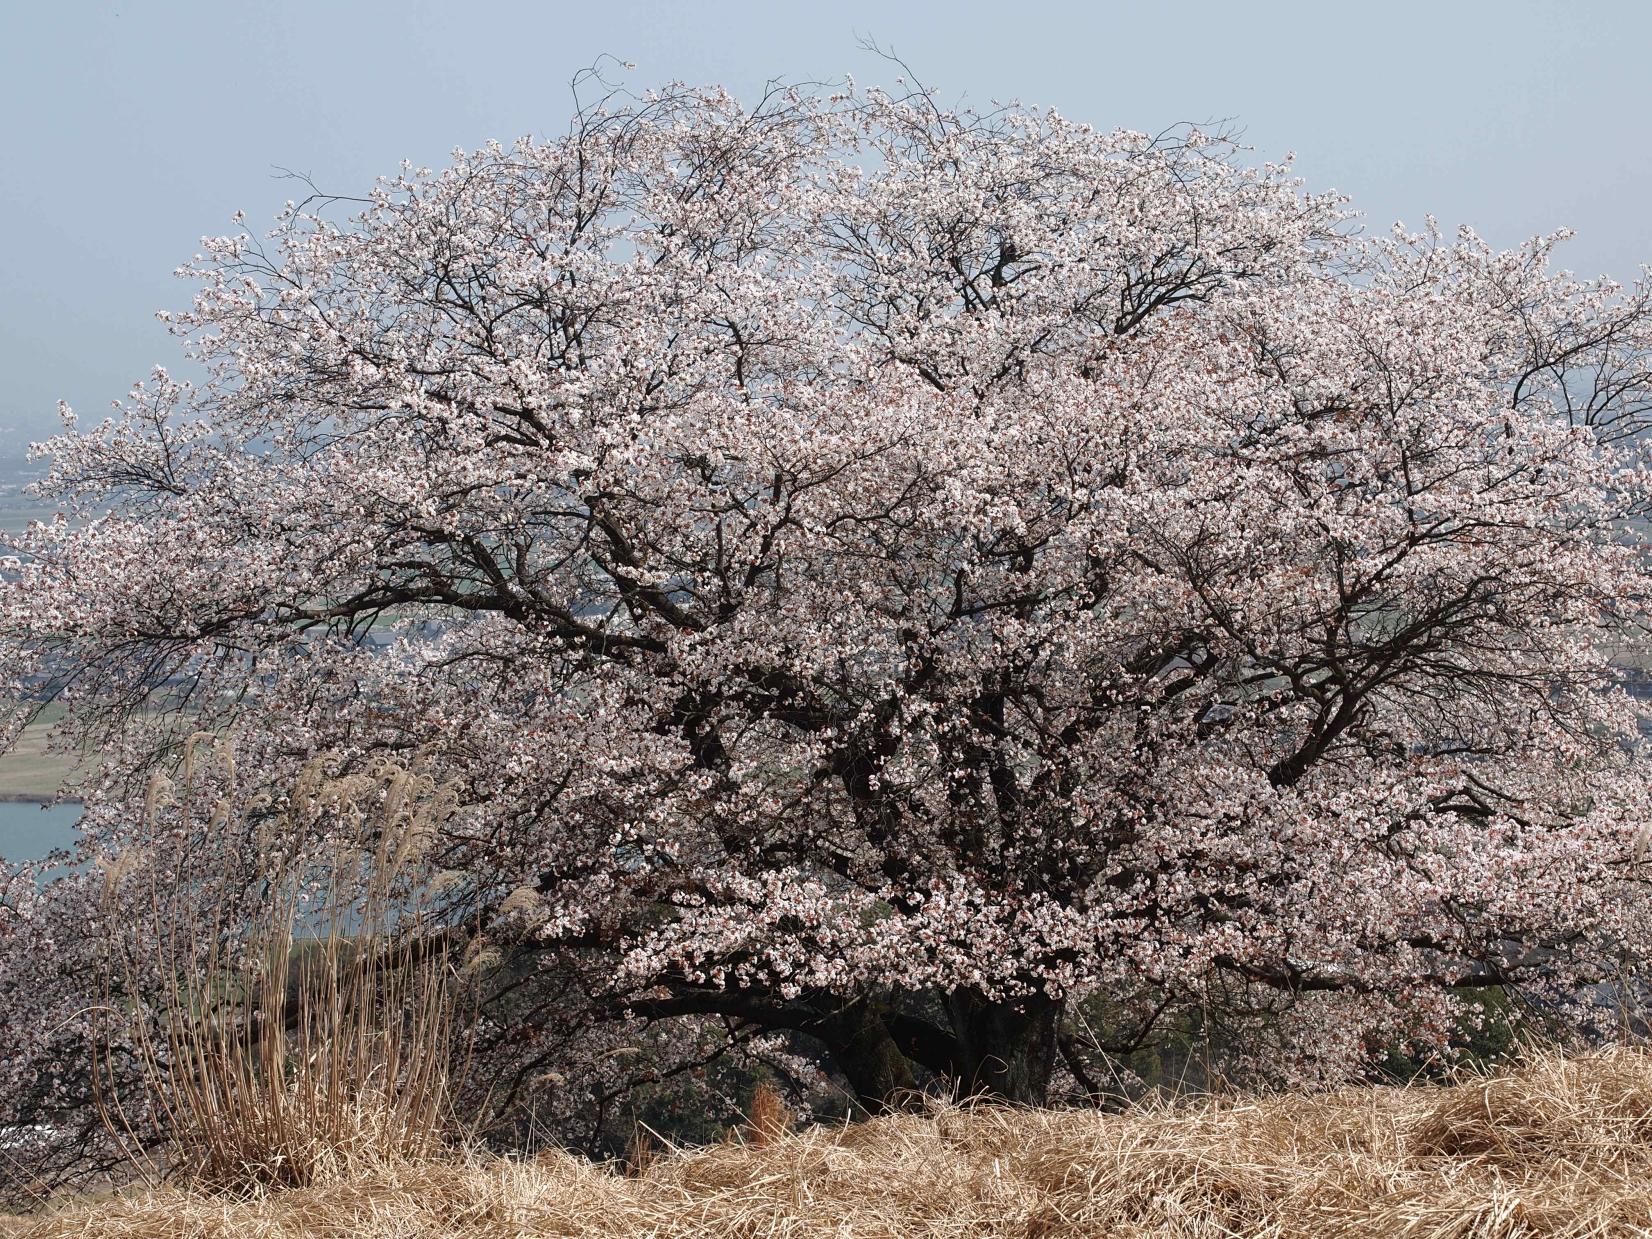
point(132, 128)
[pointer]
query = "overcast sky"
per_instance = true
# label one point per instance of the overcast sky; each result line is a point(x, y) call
point(132, 128)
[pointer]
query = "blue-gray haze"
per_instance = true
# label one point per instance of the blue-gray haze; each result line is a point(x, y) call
point(134, 128)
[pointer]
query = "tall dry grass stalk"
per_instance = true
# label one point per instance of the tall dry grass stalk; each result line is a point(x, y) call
point(768, 1117)
point(305, 1027)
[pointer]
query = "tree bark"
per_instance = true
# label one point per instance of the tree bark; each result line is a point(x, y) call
point(1006, 1050)
point(859, 1042)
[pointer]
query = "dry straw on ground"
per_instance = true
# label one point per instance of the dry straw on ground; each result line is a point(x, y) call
point(1558, 1147)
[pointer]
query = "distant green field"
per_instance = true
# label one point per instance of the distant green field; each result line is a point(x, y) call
point(30, 769)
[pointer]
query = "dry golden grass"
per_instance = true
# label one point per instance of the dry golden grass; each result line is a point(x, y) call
point(313, 1035)
point(1558, 1147)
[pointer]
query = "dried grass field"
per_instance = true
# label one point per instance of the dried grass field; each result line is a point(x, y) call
point(1560, 1146)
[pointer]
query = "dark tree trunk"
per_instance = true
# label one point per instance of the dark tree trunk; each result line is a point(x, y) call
point(1006, 1050)
point(863, 1049)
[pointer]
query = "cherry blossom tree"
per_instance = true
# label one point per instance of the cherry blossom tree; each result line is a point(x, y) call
point(886, 575)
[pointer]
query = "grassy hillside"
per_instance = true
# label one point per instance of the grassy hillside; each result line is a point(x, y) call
point(1558, 1147)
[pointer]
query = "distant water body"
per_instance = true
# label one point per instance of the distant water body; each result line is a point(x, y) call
point(28, 829)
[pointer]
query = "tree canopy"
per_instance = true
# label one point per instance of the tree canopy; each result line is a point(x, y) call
point(892, 575)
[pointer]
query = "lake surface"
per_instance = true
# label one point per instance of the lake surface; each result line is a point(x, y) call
point(29, 830)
